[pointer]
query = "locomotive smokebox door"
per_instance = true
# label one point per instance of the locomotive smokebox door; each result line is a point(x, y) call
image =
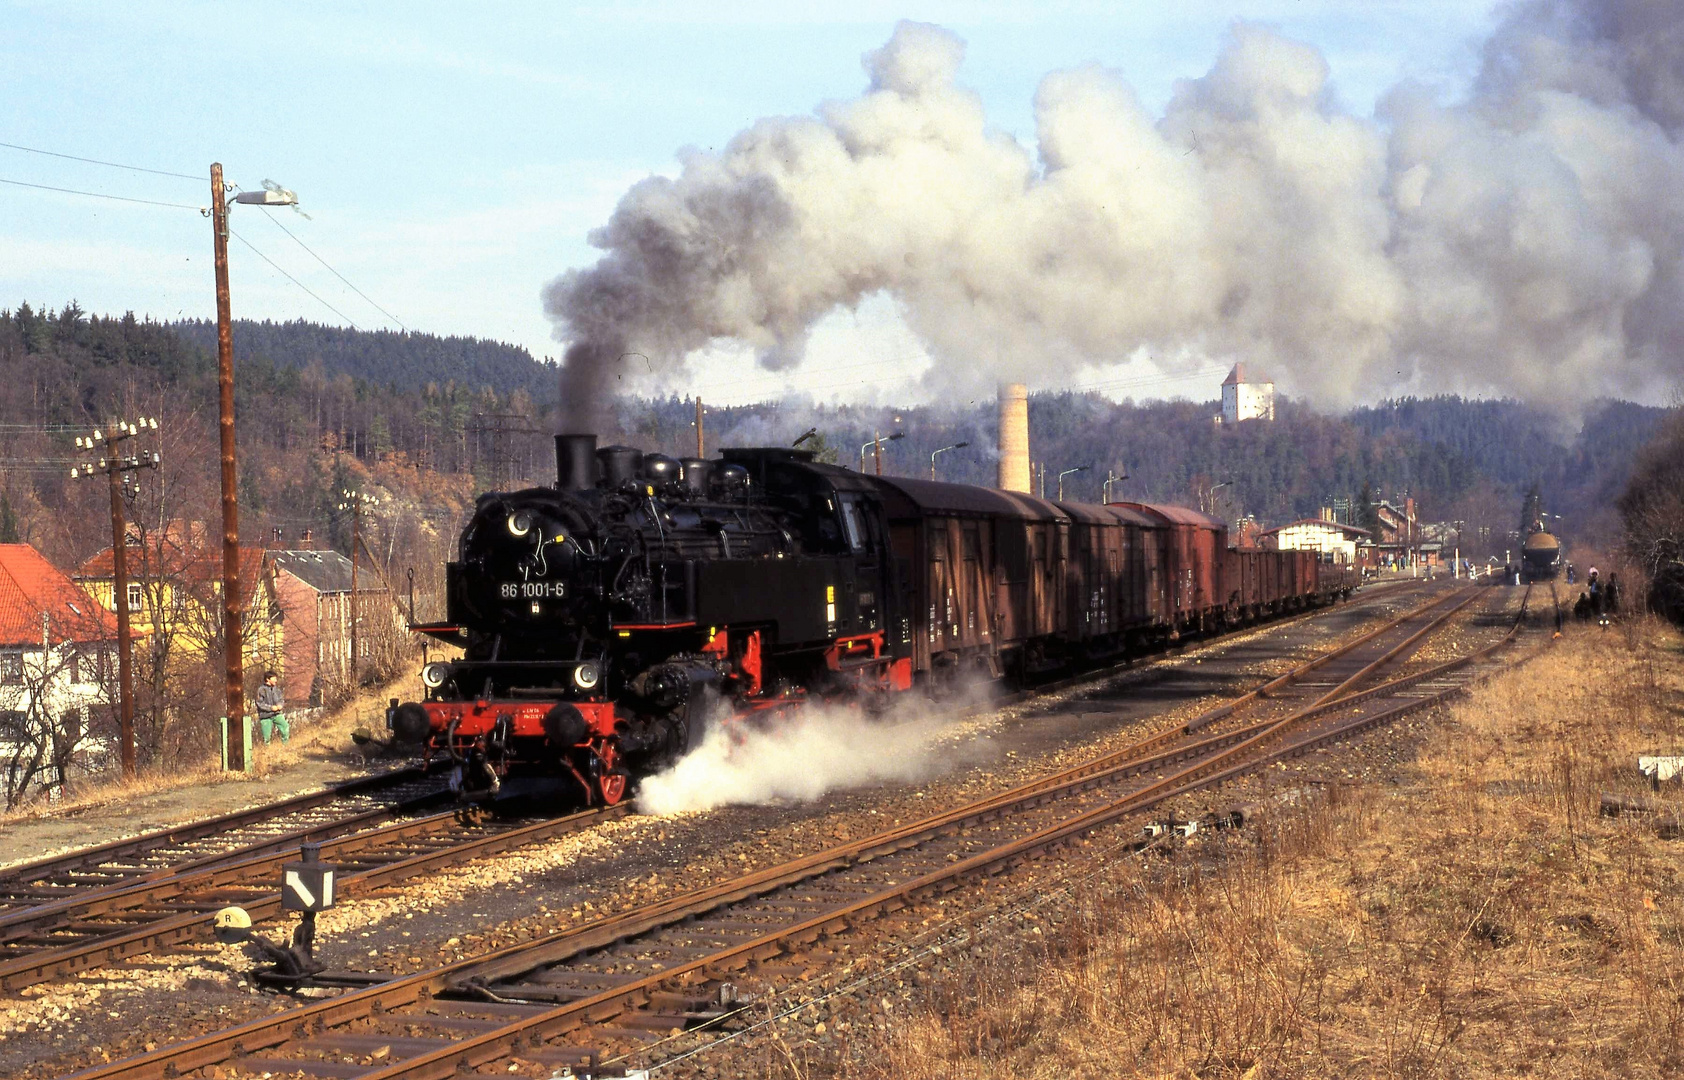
point(307, 885)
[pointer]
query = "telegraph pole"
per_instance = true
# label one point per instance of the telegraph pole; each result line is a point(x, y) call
point(114, 465)
point(233, 636)
point(701, 444)
point(356, 535)
point(120, 593)
point(877, 450)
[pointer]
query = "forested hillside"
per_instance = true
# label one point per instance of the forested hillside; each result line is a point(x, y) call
point(305, 437)
point(427, 422)
point(384, 357)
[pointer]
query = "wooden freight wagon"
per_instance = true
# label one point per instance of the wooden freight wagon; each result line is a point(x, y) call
point(1143, 596)
point(985, 570)
point(1194, 552)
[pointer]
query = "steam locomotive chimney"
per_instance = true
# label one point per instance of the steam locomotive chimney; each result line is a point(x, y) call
point(575, 462)
point(1014, 437)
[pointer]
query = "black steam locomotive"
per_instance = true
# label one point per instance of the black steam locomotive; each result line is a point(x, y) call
point(606, 621)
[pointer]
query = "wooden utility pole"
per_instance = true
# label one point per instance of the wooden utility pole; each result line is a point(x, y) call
point(356, 537)
point(113, 464)
point(120, 592)
point(701, 443)
point(877, 450)
point(233, 636)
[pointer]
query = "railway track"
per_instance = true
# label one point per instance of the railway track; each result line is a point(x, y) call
point(607, 989)
point(315, 815)
point(93, 907)
point(93, 928)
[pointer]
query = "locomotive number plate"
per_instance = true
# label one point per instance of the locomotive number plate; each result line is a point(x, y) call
point(531, 590)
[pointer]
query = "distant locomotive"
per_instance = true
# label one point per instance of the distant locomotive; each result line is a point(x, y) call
point(1540, 556)
point(607, 620)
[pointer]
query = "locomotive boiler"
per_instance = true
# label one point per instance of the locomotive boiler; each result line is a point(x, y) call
point(606, 622)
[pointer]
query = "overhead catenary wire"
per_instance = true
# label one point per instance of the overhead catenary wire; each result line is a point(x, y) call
point(99, 195)
point(295, 281)
point(332, 271)
point(97, 161)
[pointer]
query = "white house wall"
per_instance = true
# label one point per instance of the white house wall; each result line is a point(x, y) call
point(1311, 537)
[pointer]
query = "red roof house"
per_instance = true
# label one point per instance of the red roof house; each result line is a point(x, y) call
point(31, 586)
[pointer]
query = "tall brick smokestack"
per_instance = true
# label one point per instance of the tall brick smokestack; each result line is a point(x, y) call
point(1014, 437)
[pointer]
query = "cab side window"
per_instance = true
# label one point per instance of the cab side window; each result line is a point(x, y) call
point(852, 524)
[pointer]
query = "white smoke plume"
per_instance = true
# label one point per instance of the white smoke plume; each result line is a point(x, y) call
point(802, 757)
point(1523, 240)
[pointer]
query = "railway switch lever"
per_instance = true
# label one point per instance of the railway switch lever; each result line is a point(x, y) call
point(306, 886)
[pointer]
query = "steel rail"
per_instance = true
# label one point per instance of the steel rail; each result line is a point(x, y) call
point(266, 1033)
point(1273, 687)
point(23, 874)
point(221, 885)
point(94, 900)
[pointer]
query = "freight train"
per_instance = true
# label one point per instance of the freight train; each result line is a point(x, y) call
point(605, 622)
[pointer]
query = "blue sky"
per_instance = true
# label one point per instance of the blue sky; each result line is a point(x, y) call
point(454, 157)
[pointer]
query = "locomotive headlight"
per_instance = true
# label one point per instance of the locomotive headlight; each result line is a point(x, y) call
point(434, 674)
point(520, 523)
point(586, 676)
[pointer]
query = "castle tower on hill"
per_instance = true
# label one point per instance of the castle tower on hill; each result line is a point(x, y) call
point(1247, 394)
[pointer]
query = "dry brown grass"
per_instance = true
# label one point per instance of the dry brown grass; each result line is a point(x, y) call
point(1479, 919)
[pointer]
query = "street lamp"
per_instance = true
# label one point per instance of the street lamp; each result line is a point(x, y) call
point(1068, 472)
point(1211, 495)
point(233, 637)
point(1111, 478)
point(878, 443)
point(114, 463)
point(943, 450)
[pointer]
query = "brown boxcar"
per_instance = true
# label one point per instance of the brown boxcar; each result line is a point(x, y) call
point(1143, 588)
point(1095, 583)
point(984, 568)
point(1193, 563)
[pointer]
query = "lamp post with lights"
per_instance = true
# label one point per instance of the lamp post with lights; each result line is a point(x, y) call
point(876, 447)
point(117, 463)
point(233, 636)
point(1069, 472)
point(943, 450)
point(1111, 480)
